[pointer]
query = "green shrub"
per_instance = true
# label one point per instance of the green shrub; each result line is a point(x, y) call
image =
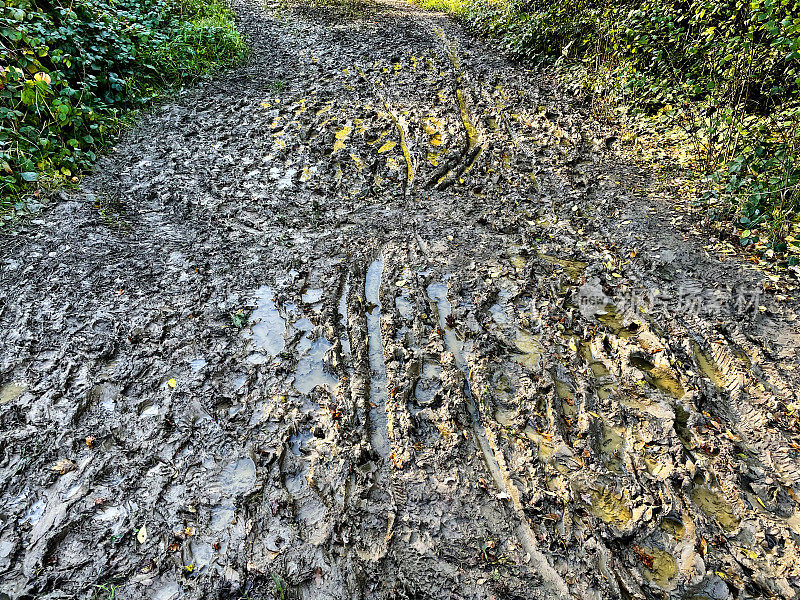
point(726, 72)
point(71, 71)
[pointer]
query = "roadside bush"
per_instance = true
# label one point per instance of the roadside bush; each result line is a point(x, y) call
point(72, 70)
point(726, 73)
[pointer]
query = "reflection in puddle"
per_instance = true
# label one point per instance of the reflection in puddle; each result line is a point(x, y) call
point(197, 364)
point(10, 392)
point(378, 380)
point(311, 366)
point(299, 441)
point(34, 513)
point(312, 296)
point(151, 410)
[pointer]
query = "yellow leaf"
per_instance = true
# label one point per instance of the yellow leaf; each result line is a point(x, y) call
point(172, 383)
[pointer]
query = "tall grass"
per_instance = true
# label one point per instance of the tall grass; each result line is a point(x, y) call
point(74, 70)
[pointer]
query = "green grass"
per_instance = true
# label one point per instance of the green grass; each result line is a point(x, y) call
point(77, 72)
point(717, 83)
point(458, 8)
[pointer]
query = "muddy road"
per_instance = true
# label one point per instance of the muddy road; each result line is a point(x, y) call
point(378, 316)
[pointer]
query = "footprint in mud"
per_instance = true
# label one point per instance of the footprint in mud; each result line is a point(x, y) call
point(267, 329)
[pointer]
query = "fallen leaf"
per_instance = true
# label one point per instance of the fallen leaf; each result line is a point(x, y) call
point(63, 466)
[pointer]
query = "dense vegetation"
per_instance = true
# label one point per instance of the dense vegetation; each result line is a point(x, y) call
point(724, 74)
point(72, 70)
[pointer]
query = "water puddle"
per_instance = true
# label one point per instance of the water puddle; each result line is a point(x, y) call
point(543, 443)
point(612, 445)
point(298, 442)
point(498, 314)
point(150, 410)
point(286, 181)
point(106, 396)
point(379, 394)
point(609, 507)
point(660, 566)
point(344, 338)
point(34, 514)
point(311, 366)
point(11, 391)
point(266, 334)
point(564, 390)
point(531, 350)
point(505, 417)
point(438, 293)
point(312, 296)
point(515, 257)
point(404, 307)
point(659, 377)
point(604, 381)
point(573, 268)
point(236, 479)
point(708, 366)
point(673, 526)
point(198, 364)
point(714, 506)
point(611, 318)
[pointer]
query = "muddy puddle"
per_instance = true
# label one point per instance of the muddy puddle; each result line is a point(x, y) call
point(378, 393)
point(267, 329)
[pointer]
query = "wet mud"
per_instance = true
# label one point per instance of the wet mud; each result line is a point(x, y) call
point(385, 320)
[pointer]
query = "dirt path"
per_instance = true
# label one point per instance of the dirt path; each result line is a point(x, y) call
point(376, 317)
